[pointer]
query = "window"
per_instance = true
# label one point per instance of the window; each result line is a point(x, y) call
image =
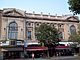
point(37, 24)
point(53, 25)
point(60, 35)
point(13, 43)
point(29, 35)
point(29, 24)
point(13, 30)
point(72, 29)
point(59, 25)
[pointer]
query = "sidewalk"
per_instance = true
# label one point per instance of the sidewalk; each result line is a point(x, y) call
point(63, 57)
point(31, 59)
point(52, 58)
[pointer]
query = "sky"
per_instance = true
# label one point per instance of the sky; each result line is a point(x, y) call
point(59, 7)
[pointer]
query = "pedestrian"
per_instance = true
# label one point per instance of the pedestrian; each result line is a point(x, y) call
point(33, 56)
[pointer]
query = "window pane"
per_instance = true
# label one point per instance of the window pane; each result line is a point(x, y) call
point(72, 29)
point(29, 35)
point(13, 31)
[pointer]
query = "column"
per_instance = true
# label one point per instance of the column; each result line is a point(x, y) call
point(63, 30)
point(33, 32)
point(0, 23)
point(7, 28)
point(66, 32)
point(24, 29)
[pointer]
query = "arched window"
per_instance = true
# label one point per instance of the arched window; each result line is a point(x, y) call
point(13, 30)
point(72, 29)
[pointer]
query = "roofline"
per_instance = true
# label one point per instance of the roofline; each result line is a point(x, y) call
point(49, 19)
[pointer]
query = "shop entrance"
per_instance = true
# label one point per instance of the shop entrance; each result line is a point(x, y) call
point(11, 54)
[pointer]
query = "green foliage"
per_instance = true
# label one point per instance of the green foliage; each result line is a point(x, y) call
point(75, 38)
point(46, 33)
point(73, 45)
point(74, 6)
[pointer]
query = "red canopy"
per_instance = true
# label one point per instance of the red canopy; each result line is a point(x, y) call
point(61, 47)
point(36, 48)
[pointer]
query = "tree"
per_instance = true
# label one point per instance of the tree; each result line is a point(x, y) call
point(48, 36)
point(76, 42)
point(74, 6)
point(46, 33)
point(76, 37)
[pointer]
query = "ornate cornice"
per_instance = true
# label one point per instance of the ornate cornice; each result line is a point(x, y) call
point(9, 12)
point(35, 18)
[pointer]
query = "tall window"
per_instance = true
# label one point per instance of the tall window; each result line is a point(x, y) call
point(29, 35)
point(72, 29)
point(13, 30)
point(60, 35)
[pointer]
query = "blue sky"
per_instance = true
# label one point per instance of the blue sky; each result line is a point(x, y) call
point(59, 7)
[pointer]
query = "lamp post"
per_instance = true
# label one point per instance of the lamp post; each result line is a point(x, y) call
point(24, 33)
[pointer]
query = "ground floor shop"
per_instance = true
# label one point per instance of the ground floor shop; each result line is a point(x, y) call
point(64, 51)
point(37, 54)
point(36, 51)
point(12, 52)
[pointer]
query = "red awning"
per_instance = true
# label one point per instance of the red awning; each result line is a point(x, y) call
point(62, 47)
point(36, 48)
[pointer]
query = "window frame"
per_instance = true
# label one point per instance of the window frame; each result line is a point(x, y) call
point(13, 30)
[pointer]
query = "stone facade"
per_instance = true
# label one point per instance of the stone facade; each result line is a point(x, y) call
point(24, 24)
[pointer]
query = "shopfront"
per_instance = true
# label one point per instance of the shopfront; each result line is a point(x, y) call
point(63, 51)
point(37, 50)
point(12, 52)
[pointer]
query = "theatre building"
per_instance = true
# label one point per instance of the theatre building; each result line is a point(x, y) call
point(20, 25)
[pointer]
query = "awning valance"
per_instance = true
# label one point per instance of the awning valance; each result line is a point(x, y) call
point(36, 48)
point(62, 47)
